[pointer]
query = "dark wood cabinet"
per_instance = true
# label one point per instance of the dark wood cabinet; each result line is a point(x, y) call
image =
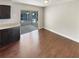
point(0, 37)
point(4, 37)
point(9, 35)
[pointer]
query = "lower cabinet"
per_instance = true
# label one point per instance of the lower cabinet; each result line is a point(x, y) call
point(9, 35)
point(0, 36)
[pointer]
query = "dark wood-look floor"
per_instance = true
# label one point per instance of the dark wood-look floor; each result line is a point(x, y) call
point(41, 43)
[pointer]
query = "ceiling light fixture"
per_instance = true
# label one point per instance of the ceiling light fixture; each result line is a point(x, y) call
point(46, 1)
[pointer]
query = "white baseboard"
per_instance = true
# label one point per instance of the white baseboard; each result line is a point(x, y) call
point(76, 40)
point(40, 27)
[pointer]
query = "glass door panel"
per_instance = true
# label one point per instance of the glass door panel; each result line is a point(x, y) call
point(25, 17)
point(34, 17)
point(29, 21)
point(29, 17)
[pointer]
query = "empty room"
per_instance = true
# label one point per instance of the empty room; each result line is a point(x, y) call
point(39, 28)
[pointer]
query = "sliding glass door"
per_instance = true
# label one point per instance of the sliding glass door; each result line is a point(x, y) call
point(29, 21)
point(34, 17)
point(29, 17)
point(25, 17)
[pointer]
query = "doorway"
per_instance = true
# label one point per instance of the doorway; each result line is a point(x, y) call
point(29, 21)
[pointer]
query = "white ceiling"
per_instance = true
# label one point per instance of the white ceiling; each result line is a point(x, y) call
point(32, 2)
point(41, 2)
point(54, 2)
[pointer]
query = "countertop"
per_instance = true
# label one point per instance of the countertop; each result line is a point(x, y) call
point(9, 25)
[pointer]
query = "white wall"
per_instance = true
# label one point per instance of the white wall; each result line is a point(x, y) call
point(6, 23)
point(15, 14)
point(63, 18)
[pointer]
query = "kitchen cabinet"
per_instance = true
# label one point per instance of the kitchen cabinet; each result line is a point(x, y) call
point(9, 35)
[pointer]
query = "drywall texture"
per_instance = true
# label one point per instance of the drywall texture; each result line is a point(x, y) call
point(15, 14)
point(63, 18)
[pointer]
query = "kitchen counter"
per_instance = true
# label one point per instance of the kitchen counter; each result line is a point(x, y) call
point(8, 25)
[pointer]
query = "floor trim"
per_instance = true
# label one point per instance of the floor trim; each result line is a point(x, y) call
point(76, 40)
